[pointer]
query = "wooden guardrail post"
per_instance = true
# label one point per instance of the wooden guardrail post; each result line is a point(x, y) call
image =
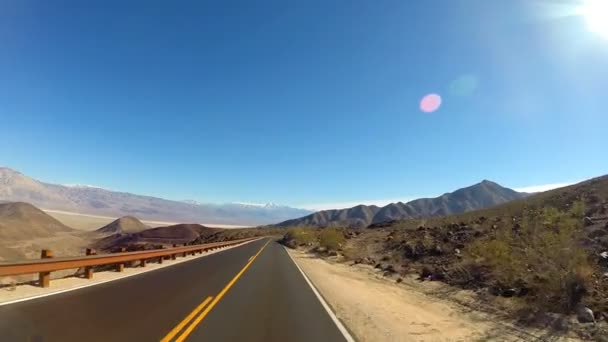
point(121, 267)
point(142, 263)
point(185, 254)
point(88, 271)
point(44, 278)
point(173, 256)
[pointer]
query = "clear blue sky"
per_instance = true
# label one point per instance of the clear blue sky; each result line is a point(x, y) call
point(301, 102)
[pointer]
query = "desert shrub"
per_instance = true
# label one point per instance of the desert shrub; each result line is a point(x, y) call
point(331, 238)
point(299, 236)
point(542, 255)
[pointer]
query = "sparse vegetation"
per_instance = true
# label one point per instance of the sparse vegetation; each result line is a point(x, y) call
point(541, 256)
point(300, 236)
point(331, 238)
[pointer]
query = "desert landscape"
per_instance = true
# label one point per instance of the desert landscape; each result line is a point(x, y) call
point(461, 251)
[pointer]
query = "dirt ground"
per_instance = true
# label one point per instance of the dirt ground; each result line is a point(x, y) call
point(376, 308)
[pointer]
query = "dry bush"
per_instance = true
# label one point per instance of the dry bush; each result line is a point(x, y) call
point(541, 255)
point(331, 238)
point(300, 236)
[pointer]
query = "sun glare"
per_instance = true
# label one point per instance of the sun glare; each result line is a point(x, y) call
point(596, 15)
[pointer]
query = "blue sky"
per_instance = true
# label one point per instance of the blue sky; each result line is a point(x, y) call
point(307, 103)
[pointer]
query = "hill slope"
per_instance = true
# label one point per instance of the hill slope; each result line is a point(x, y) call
point(482, 195)
point(176, 234)
point(23, 221)
point(125, 224)
point(16, 187)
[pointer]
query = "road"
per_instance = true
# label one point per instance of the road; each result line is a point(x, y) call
point(249, 293)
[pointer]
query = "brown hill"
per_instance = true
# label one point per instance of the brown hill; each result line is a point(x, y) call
point(23, 221)
point(176, 234)
point(125, 224)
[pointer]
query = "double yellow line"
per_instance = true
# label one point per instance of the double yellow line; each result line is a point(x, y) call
point(202, 306)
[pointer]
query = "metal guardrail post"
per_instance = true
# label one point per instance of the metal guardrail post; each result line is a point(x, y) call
point(44, 278)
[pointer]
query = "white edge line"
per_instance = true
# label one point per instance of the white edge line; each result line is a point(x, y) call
point(221, 249)
point(331, 314)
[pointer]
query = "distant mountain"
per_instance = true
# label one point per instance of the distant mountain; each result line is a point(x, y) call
point(23, 221)
point(16, 187)
point(125, 224)
point(478, 196)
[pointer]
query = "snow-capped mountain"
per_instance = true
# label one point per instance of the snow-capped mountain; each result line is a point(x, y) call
point(17, 187)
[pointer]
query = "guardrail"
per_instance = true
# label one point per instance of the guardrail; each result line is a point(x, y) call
point(48, 264)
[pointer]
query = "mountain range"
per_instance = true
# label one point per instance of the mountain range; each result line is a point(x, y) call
point(479, 196)
point(17, 187)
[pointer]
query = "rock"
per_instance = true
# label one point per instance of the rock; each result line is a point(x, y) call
point(587, 221)
point(584, 314)
point(320, 249)
point(332, 253)
point(597, 233)
point(378, 266)
point(398, 280)
point(436, 250)
point(604, 255)
point(508, 293)
point(389, 268)
point(426, 273)
point(457, 251)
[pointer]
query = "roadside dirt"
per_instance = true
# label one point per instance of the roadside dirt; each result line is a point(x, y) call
point(376, 308)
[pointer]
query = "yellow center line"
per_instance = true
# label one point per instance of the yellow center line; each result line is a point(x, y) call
point(185, 321)
point(196, 322)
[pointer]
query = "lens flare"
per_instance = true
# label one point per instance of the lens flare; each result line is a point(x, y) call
point(430, 103)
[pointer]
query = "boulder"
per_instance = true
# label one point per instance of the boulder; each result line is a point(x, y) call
point(587, 221)
point(584, 314)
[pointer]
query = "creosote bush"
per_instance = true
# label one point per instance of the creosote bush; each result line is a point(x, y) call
point(541, 255)
point(331, 238)
point(301, 235)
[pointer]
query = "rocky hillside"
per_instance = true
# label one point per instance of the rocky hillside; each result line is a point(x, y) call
point(22, 221)
point(482, 195)
point(548, 251)
point(17, 187)
point(125, 224)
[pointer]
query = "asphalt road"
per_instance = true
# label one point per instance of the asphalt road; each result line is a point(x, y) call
point(249, 293)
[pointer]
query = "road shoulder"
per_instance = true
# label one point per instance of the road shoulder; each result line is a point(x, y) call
point(378, 309)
